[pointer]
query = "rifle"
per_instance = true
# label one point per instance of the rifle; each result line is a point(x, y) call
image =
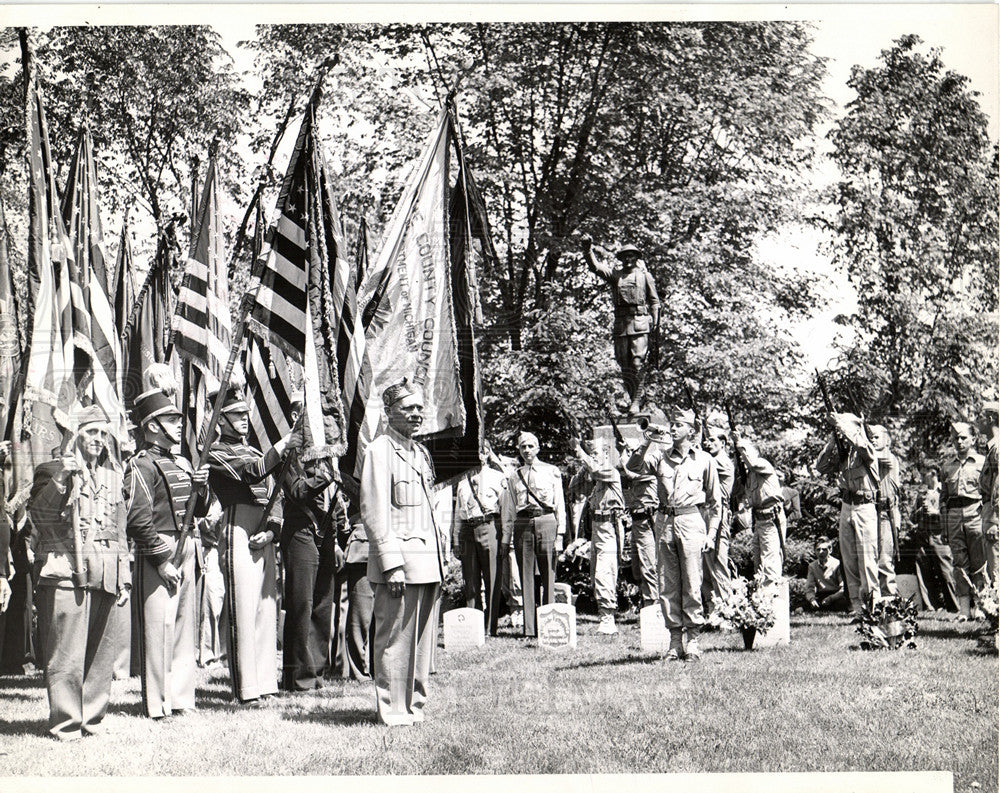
point(619, 438)
point(741, 472)
point(829, 409)
point(694, 406)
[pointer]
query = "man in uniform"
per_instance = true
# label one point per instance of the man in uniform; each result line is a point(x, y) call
point(311, 558)
point(857, 475)
point(887, 506)
point(642, 500)
point(477, 535)
point(716, 580)
point(763, 492)
point(824, 583)
point(405, 559)
point(934, 566)
point(158, 483)
point(688, 520)
point(961, 513)
point(81, 558)
point(238, 476)
point(533, 514)
point(637, 314)
point(989, 488)
point(360, 597)
point(606, 504)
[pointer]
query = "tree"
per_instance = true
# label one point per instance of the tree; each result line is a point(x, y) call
point(917, 236)
point(690, 140)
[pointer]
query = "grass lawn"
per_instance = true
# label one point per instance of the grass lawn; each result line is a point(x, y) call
point(817, 705)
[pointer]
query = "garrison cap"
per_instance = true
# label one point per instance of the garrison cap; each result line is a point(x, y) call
point(628, 249)
point(396, 392)
point(961, 426)
point(991, 406)
point(92, 414)
point(684, 415)
point(297, 397)
point(878, 432)
point(527, 436)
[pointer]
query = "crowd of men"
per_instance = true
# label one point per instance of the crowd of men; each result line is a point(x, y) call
point(677, 493)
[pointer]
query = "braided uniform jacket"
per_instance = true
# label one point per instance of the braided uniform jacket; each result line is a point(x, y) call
point(238, 475)
point(157, 487)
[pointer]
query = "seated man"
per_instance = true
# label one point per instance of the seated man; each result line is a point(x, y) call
point(824, 583)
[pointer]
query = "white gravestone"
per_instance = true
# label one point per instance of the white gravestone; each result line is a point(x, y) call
point(556, 626)
point(781, 633)
point(562, 593)
point(653, 634)
point(463, 630)
point(907, 587)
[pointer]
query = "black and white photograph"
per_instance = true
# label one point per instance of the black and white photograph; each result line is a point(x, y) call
point(569, 396)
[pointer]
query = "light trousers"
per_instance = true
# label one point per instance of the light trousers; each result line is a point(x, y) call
point(682, 539)
point(859, 551)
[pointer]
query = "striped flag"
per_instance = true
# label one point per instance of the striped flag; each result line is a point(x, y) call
point(49, 386)
point(295, 308)
point(10, 338)
point(81, 214)
point(202, 329)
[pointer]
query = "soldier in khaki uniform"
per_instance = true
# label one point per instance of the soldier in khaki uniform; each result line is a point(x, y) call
point(687, 522)
point(637, 313)
point(762, 491)
point(887, 506)
point(606, 507)
point(717, 581)
point(961, 514)
point(77, 514)
point(858, 478)
point(533, 514)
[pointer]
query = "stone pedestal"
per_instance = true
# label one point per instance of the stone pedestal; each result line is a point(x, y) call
point(557, 626)
point(781, 633)
point(463, 630)
point(653, 634)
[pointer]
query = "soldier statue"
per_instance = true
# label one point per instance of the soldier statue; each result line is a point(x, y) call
point(637, 314)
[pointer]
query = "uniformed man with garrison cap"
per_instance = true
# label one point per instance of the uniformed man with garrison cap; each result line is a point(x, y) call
point(762, 490)
point(887, 506)
point(961, 514)
point(158, 483)
point(989, 486)
point(533, 513)
point(855, 463)
point(687, 523)
point(238, 475)
point(405, 558)
point(717, 581)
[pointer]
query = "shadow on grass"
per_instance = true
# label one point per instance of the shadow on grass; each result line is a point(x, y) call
point(24, 727)
point(127, 709)
point(346, 718)
point(948, 632)
point(627, 661)
point(22, 681)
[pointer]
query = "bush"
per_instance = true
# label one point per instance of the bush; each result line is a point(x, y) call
point(453, 587)
point(797, 594)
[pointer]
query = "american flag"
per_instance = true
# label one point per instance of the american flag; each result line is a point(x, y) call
point(144, 340)
point(294, 307)
point(93, 315)
point(202, 330)
point(123, 282)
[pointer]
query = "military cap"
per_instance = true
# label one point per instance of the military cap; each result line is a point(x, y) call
point(152, 404)
point(991, 406)
point(92, 414)
point(683, 415)
point(297, 397)
point(628, 249)
point(745, 446)
point(961, 426)
point(233, 402)
point(825, 542)
point(878, 432)
point(396, 392)
point(526, 436)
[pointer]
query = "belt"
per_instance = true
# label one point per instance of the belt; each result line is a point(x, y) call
point(648, 512)
point(481, 519)
point(856, 498)
point(673, 512)
point(610, 513)
point(960, 502)
point(533, 512)
point(765, 512)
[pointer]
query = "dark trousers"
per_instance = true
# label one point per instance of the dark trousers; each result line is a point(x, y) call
point(936, 576)
point(481, 569)
point(535, 543)
point(360, 605)
point(16, 644)
point(310, 573)
point(78, 649)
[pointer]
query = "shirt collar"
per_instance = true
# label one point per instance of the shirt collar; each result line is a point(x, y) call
point(399, 439)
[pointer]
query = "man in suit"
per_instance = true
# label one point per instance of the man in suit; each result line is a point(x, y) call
point(406, 558)
point(533, 514)
point(158, 484)
point(81, 558)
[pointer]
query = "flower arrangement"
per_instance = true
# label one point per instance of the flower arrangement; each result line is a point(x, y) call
point(749, 605)
point(888, 623)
